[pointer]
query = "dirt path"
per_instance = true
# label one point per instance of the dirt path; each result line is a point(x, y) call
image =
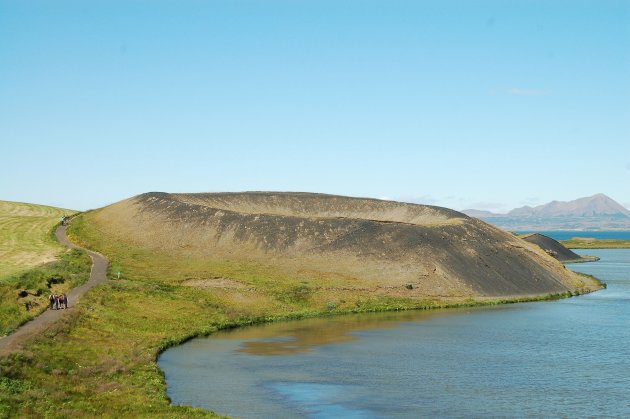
point(37, 326)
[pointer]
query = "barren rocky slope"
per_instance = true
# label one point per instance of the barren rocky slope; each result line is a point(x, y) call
point(340, 242)
point(554, 248)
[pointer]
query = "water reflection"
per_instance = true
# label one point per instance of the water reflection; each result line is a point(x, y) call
point(301, 336)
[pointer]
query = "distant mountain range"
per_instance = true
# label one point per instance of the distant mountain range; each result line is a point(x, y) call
point(597, 212)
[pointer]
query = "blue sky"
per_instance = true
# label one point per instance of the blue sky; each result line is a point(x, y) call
point(483, 104)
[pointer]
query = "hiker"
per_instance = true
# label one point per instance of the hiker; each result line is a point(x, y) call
point(52, 297)
point(64, 299)
point(63, 220)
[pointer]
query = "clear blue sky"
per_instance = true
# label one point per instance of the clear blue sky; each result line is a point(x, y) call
point(483, 104)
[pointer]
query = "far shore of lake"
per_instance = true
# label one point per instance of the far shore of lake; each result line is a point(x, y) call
point(592, 243)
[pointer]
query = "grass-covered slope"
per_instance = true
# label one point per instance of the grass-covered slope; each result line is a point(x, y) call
point(324, 242)
point(25, 236)
point(32, 262)
point(591, 243)
point(24, 296)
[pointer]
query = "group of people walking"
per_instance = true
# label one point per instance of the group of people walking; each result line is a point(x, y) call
point(57, 302)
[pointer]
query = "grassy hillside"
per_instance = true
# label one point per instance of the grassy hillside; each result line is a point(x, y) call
point(23, 296)
point(590, 243)
point(25, 236)
point(32, 262)
point(102, 359)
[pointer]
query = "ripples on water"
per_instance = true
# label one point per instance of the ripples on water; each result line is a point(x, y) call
point(568, 358)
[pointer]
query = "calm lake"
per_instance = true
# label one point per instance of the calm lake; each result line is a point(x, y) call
point(567, 358)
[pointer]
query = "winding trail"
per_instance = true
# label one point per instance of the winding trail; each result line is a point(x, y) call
point(38, 325)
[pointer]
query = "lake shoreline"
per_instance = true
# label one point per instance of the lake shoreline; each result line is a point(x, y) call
point(287, 387)
point(468, 303)
point(591, 243)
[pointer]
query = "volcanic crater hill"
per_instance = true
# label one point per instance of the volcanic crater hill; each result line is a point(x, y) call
point(367, 245)
point(555, 248)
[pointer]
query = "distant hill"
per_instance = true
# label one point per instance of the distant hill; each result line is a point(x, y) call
point(592, 206)
point(597, 212)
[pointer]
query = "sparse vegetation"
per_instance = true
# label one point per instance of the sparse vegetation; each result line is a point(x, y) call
point(593, 279)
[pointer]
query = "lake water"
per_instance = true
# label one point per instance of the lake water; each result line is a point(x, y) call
point(569, 234)
point(567, 358)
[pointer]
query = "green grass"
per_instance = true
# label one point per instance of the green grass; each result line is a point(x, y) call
point(29, 257)
point(25, 239)
point(590, 243)
point(100, 361)
point(25, 295)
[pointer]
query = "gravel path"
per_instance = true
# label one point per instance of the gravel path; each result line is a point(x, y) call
point(37, 326)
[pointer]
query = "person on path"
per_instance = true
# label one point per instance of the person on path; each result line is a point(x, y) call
point(64, 299)
point(51, 299)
